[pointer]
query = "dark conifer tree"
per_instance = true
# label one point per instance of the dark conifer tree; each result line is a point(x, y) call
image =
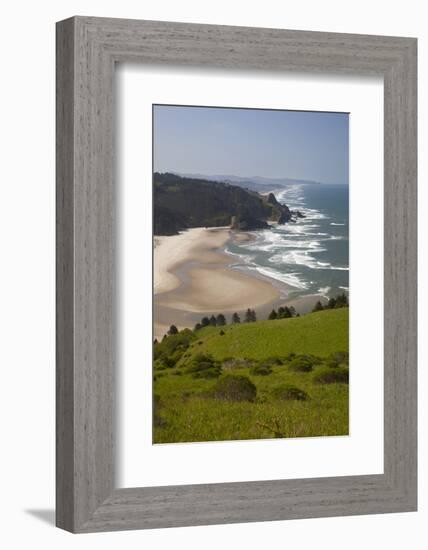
point(221, 320)
point(318, 306)
point(173, 330)
point(273, 315)
point(287, 312)
point(331, 303)
point(250, 316)
point(342, 300)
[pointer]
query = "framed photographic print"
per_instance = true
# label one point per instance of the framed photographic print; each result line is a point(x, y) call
point(246, 251)
point(236, 274)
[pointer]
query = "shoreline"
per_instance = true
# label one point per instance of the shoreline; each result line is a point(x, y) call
point(196, 244)
point(192, 278)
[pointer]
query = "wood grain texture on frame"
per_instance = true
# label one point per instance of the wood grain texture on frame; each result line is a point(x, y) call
point(87, 50)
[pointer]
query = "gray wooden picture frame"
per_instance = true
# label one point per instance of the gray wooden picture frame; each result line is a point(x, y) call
point(87, 50)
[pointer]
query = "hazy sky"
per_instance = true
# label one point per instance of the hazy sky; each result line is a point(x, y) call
point(249, 142)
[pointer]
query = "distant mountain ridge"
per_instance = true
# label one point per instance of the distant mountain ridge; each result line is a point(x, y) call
point(256, 183)
point(184, 202)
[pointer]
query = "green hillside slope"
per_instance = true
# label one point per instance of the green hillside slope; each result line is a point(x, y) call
point(282, 378)
point(318, 333)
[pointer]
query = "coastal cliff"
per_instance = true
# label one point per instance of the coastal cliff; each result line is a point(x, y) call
point(182, 203)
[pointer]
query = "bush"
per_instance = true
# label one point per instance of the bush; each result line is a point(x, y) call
point(331, 363)
point(261, 370)
point(288, 392)
point(175, 342)
point(327, 375)
point(301, 364)
point(273, 361)
point(164, 363)
point(204, 366)
point(235, 387)
point(231, 363)
point(338, 358)
point(157, 351)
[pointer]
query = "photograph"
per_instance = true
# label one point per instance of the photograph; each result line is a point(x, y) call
point(196, 196)
point(250, 273)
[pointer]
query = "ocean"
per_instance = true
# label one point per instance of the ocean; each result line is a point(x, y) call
point(311, 255)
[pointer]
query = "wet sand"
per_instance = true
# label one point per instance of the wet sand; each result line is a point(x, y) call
point(193, 278)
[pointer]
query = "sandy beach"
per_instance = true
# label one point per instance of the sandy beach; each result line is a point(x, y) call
point(197, 244)
point(192, 277)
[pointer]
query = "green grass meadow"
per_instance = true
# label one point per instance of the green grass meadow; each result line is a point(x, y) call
point(295, 373)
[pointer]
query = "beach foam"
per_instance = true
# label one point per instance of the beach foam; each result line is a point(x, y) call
point(303, 244)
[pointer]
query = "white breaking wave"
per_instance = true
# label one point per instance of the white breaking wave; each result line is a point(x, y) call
point(324, 291)
point(245, 258)
point(312, 214)
point(295, 257)
point(291, 249)
point(291, 195)
point(291, 279)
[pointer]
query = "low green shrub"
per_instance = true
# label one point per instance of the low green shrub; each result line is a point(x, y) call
point(300, 364)
point(231, 364)
point(204, 366)
point(338, 358)
point(273, 361)
point(328, 375)
point(172, 343)
point(262, 369)
point(165, 362)
point(288, 392)
point(234, 387)
point(159, 365)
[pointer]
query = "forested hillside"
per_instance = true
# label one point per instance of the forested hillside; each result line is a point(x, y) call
point(181, 203)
